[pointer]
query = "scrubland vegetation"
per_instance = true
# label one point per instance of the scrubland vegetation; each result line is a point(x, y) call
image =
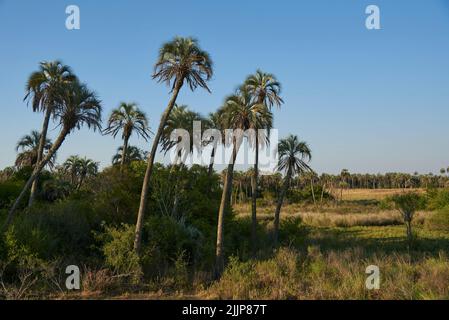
point(141, 229)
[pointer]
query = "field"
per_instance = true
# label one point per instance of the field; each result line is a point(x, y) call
point(328, 255)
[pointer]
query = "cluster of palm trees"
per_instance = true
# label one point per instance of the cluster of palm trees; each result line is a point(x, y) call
point(57, 92)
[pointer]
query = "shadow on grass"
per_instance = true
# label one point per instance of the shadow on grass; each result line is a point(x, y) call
point(331, 239)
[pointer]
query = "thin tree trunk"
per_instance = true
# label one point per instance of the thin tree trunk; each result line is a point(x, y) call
point(211, 163)
point(149, 171)
point(313, 191)
point(254, 199)
point(40, 153)
point(37, 170)
point(277, 214)
point(322, 192)
point(125, 149)
point(226, 194)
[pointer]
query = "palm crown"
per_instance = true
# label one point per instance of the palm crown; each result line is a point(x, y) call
point(80, 107)
point(43, 86)
point(29, 145)
point(264, 88)
point(128, 118)
point(294, 155)
point(182, 60)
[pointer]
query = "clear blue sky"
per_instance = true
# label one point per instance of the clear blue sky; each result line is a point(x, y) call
point(369, 101)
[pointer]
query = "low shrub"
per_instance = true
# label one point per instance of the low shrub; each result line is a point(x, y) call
point(438, 220)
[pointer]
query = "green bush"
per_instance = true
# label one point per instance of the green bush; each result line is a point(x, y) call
point(118, 250)
point(9, 191)
point(437, 199)
point(167, 238)
point(60, 229)
point(291, 232)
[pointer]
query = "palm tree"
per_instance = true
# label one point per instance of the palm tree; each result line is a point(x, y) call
point(180, 118)
point(238, 113)
point(41, 90)
point(128, 118)
point(213, 121)
point(29, 147)
point(132, 154)
point(294, 155)
point(180, 61)
point(264, 89)
point(77, 106)
point(79, 169)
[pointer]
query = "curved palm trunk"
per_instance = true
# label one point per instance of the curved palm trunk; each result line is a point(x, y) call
point(40, 153)
point(35, 174)
point(149, 171)
point(279, 206)
point(124, 151)
point(226, 194)
point(254, 199)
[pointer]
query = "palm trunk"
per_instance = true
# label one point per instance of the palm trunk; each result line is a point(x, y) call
point(211, 163)
point(313, 191)
point(277, 214)
point(226, 194)
point(322, 192)
point(149, 171)
point(124, 151)
point(254, 199)
point(37, 170)
point(40, 153)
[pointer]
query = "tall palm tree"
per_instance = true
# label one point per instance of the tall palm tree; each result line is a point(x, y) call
point(180, 61)
point(41, 90)
point(294, 156)
point(264, 89)
point(238, 113)
point(29, 147)
point(133, 153)
point(77, 106)
point(128, 118)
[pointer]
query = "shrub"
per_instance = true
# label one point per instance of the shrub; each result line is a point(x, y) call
point(118, 251)
point(437, 198)
point(9, 191)
point(438, 220)
point(167, 238)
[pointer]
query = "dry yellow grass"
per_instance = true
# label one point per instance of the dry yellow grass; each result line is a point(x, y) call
point(372, 194)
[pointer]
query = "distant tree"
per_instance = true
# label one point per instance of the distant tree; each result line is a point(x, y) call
point(28, 146)
point(408, 204)
point(294, 156)
point(79, 169)
point(128, 118)
point(132, 154)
